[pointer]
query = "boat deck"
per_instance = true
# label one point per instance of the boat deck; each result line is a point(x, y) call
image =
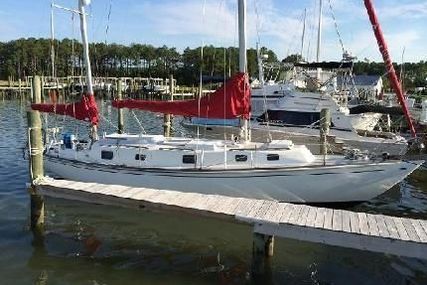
point(376, 233)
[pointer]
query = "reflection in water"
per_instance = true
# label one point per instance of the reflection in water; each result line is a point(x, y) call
point(93, 244)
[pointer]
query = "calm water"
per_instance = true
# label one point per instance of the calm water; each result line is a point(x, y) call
point(87, 244)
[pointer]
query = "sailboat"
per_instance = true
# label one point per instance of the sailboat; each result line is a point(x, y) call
point(276, 170)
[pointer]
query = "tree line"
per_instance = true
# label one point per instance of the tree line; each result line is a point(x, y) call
point(24, 57)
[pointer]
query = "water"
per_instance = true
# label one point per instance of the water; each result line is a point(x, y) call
point(87, 244)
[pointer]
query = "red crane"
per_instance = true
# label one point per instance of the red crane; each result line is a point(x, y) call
point(397, 87)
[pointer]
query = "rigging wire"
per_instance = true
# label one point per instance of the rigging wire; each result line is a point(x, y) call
point(336, 27)
point(107, 29)
point(200, 74)
point(264, 95)
point(107, 26)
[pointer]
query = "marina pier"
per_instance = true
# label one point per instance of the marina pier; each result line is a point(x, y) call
point(270, 219)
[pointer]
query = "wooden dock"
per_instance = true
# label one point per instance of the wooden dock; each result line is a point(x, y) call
point(376, 233)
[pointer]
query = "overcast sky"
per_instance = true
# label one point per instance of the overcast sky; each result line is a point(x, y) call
point(276, 23)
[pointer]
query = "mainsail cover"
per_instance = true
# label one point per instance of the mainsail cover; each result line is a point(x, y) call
point(85, 110)
point(229, 101)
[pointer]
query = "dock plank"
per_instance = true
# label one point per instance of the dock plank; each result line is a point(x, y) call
point(354, 222)
point(311, 218)
point(337, 220)
point(422, 234)
point(320, 218)
point(281, 209)
point(244, 208)
point(363, 223)
point(391, 227)
point(346, 221)
point(382, 228)
point(400, 228)
point(372, 225)
point(302, 219)
point(287, 213)
point(410, 230)
point(329, 216)
point(295, 214)
point(269, 214)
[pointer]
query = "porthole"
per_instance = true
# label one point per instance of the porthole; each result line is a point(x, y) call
point(141, 157)
point(106, 154)
point(272, 156)
point(189, 158)
point(241, 157)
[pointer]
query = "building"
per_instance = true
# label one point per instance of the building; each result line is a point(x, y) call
point(368, 87)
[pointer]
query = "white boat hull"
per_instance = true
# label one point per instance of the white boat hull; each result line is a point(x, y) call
point(316, 184)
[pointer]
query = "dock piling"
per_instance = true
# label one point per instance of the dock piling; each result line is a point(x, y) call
point(262, 251)
point(325, 122)
point(120, 122)
point(167, 121)
point(35, 145)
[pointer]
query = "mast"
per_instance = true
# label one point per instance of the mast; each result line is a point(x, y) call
point(244, 130)
point(303, 32)
point(52, 40)
point(83, 30)
point(319, 31)
point(382, 45)
point(319, 40)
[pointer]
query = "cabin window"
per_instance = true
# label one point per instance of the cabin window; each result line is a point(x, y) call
point(106, 154)
point(272, 156)
point(140, 156)
point(241, 157)
point(189, 158)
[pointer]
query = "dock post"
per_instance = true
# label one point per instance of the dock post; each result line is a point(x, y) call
point(35, 145)
point(167, 118)
point(262, 251)
point(325, 122)
point(120, 124)
point(20, 88)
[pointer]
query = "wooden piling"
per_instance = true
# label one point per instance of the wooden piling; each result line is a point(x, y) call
point(35, 145)
point(325, 122)
point(262, 250)
point(20, 87)
point(167, 121)
point(120, 122)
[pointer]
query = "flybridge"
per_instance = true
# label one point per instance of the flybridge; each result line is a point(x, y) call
point(326, 64)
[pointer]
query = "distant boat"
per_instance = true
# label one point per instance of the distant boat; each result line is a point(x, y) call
point(286, 113)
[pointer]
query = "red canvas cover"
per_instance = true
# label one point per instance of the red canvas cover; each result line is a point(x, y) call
point(85, 110)
point(229, 101)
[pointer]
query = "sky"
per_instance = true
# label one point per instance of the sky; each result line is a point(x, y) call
point(276, 24)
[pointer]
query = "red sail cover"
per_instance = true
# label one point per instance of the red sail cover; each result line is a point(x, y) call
point(85, 110)
point(230, 101)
